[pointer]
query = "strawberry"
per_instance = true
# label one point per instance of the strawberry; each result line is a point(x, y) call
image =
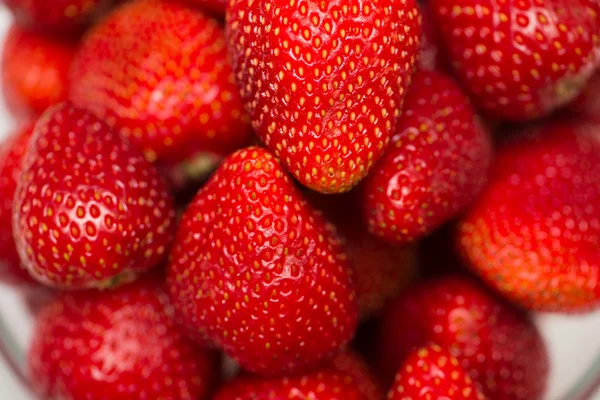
point(345, 378)
point(157, 72)
point(117, 345)
point(381, 270)
point(12, 151)
point(534, 233)
point(89, 210)
point(323, 81)
point(35, 71)
point(520, 60)
point(63, 17)
point(258, 272)
point(433, 373)
point(436, 165)
point(497, 345)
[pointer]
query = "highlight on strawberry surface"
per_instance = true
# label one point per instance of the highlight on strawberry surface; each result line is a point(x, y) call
point(300, 199)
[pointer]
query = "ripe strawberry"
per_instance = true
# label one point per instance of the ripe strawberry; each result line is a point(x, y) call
point(433, 373)
point(534, 233)
point(89, 211)
point(324, 80)
point(496, 344)
point(257, 271)
point(12, 151)
point(345, 378)
point(436, 165)
point(35, 71)
point(117, 345)
point(520, 60)
point(64, 17)
point(381, 270)
point(157, 72)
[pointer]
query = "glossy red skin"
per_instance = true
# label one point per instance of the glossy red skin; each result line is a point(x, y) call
point(12, 151)
point(534, 233)
point(322, 96)
point(35, 69)
point(433, 373)
point(89, 210)
point(63, 17)
point(510, 71)
point(157, 72)
point(346, 378)
point(257, 271)
point(117, 345)
point(434, 168)
point(381, 270)
point(492, 341)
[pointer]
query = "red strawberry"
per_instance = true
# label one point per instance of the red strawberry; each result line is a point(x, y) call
point(56, 16)
point(436, 165)
point(324, 80)
point(35, 71)
point(433, 373)
point(520, 60)
point(12, 151)
point(381, 270)
point(258, 271)
point(496, 344)
point(346, 378)
point(89, 210)
point(158, 73)
point(534, 233)
point(117, 345)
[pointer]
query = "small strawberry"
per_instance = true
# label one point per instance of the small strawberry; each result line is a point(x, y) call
point(63, 17)
point(257, 271)
point(12, 151)
point(35, 71)
point(157, 72)
point(323, 81)
point(520, 60)
point(534, 233)
point(435, 166)
point(433, 373)
point(496, 344)
point(381, 270)
point(89, 210)
point(346, 378)
point(117, 345)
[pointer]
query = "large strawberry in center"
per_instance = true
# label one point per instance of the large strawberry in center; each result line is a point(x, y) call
point(324, 80)
point(256, 270)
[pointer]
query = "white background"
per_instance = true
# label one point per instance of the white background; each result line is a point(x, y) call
point(574, 342)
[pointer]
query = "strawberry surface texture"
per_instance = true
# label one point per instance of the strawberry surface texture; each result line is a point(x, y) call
point(117, 345)
point(523, 59)
point(323, 81)
point(257, 271)
point(89, 210)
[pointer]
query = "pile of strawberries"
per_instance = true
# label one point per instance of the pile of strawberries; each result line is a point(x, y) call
point(301, 186)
